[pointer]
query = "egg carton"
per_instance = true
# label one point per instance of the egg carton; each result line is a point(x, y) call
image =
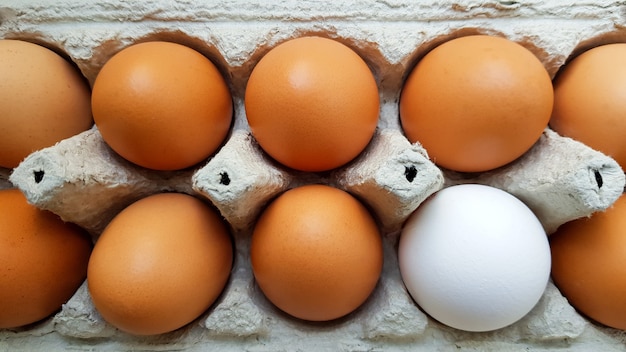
point(83, 181)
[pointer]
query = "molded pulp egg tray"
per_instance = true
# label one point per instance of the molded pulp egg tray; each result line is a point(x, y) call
point(82, 180)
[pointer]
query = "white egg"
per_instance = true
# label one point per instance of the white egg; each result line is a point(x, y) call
point(474, 257)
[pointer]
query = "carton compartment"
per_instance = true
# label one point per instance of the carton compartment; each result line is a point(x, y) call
point(83, 181)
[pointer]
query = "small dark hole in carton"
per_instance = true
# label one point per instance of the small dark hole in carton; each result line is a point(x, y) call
point(598, 177)
point(410, 172)
point(39, 174)
point(224, 179)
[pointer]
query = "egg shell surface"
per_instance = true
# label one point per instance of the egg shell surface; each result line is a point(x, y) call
point(160, 264)
point(474, 257)
point(476, 102)
point(316, 253)
point(162, 105)
point(589, 264)
point(312, 103)
point(590, 100)
point(43, 261)
point(43, 100)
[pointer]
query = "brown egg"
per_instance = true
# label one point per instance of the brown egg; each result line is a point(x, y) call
point(162, 105)
point(43, 261)
point(316, 253)
point(476, 103)
point(589, 264)
point(43, 99)
point(160, 264)
point(312, 104)
point(590, 100)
